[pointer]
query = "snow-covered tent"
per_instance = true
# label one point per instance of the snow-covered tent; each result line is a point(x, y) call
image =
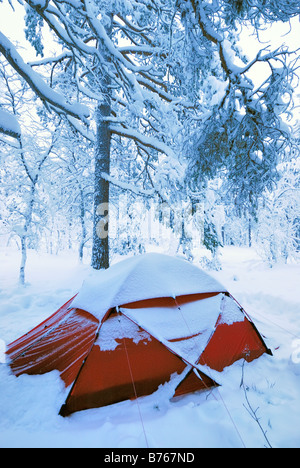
point(145, 321)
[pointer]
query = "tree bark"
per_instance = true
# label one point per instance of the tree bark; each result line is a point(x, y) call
point(100, 251)
point(24, 237)
point(83, 227)
point(100, 254)
point(23, 260)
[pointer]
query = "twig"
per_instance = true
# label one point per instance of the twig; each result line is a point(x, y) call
point(251, 411)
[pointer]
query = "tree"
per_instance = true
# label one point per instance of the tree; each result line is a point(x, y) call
point(240, 134)
point(278, 218)
point(29, 152)
point(72, 171)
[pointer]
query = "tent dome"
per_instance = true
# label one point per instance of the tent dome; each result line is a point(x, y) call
point(142, 277)
point(144, 322)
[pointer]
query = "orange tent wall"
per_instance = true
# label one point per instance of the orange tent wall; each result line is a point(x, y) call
point(60, 343)
point(191, 383)
point(18, 346)
point(230, 343)
point(129, 371)
point(168, 301)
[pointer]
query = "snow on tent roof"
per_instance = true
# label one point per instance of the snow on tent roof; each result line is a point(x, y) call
point(194, 322)
point(141, 277)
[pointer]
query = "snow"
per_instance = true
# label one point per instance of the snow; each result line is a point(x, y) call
point(9, 124)
point(231, 313)
point(195, 320)
point(230, 57)
point(2, 352)
point(176, 322)
point(143, 277)
point(148, 142)
point(119, 327)
point(29, 404)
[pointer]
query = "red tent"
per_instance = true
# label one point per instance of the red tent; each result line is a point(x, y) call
point(146, 321)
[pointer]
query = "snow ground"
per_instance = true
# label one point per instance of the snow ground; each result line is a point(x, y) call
point(29, 404)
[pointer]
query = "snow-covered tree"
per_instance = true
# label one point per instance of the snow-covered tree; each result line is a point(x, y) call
point(277, 235)
point(115, 55)
point(23, 161)
point(240, 134)
point(70, 187)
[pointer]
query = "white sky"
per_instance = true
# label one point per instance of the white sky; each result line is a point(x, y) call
point(276, 35)
point(12, 24)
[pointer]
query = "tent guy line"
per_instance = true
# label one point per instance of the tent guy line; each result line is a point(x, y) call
point(135, 391)
point(218, 392)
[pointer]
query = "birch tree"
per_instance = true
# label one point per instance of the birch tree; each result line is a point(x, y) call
point(26, 159)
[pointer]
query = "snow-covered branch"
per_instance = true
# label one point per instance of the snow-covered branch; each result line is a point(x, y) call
point(81, 129)
point(146, 141)
point(9, 124)
point(51, 60)
point(225, 51)
point(37, 83)
point(128, 187)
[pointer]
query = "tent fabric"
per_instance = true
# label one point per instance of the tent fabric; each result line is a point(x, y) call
point(17, 347)
point(130, 370)
point(192, 383)
point(61, 345)
point(186, 329)
point(123, 343)
point(237, 341)
point(126, 367)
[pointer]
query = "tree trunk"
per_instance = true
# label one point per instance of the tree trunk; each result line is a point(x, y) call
point(27, 225)
point(100, 254)
point(249, 233)
point(23, 260)
point(100, 251)
point(83, 227)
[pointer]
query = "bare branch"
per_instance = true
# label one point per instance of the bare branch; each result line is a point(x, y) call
point(250, 410)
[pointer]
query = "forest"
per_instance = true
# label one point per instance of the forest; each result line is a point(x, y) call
point(128, 126)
